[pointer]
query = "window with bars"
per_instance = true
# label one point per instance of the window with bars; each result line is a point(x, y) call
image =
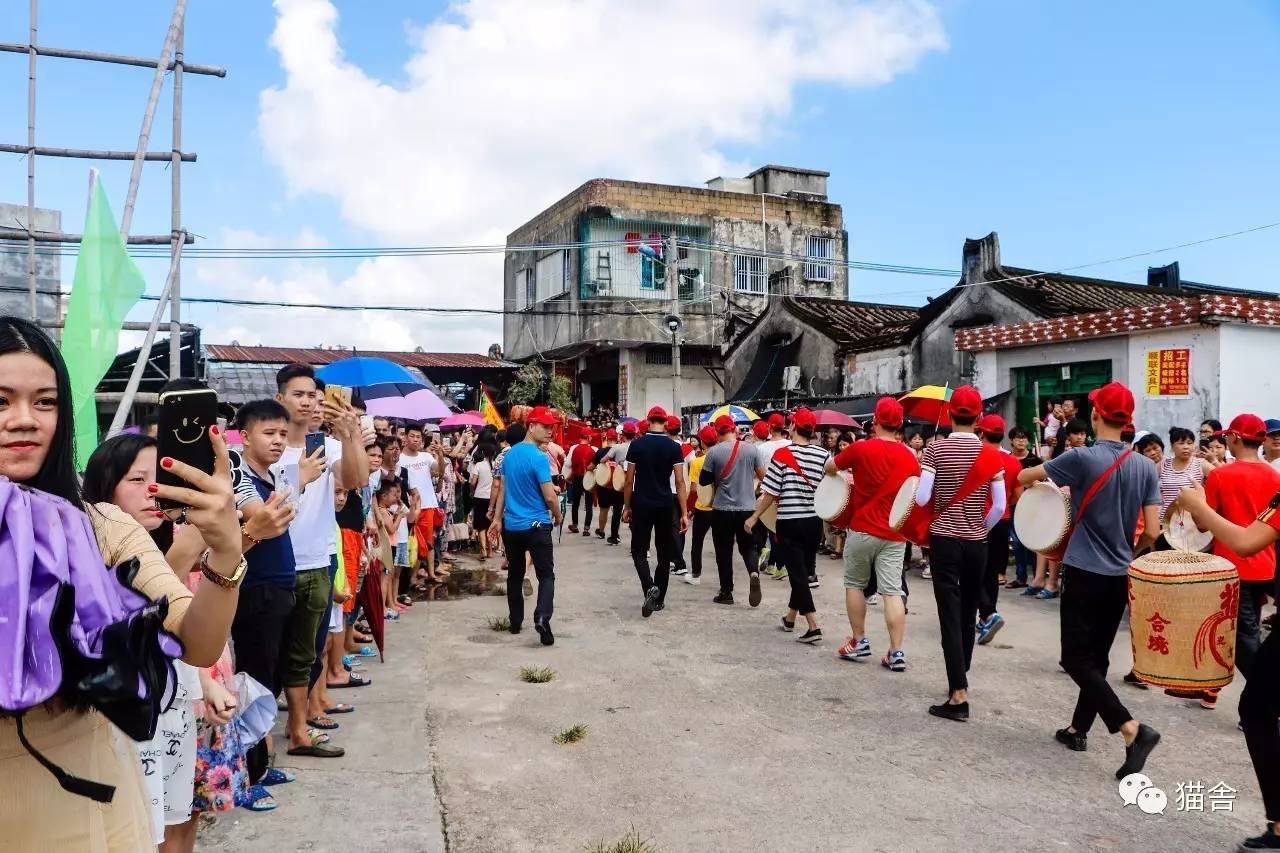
point(821, 253)
point(526, 289)
point(748, 274)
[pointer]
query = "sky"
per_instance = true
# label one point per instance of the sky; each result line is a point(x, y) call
point(1080, 132)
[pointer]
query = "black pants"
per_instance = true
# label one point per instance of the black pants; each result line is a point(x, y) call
point(257, 637)
point(997, 564)
point(609, 499)
point(1260, 718)
point(1249, 624)
point(698, 534)
point(726, 528)
point(535, 542)
point(652, 522)
point(576, 494)
point(677, 537)
point(958, 565)
point(1092, 607)
point(797, 549)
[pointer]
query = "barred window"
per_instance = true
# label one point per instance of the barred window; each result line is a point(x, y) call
point(821, 252)
point(748, 274)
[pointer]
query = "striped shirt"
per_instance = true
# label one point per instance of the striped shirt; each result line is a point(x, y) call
point(793, 491)
point(950, 461)
point(1172, 482)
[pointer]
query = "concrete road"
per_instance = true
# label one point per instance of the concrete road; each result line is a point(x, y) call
point(711, 730)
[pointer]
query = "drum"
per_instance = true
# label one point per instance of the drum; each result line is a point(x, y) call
point(1180, 531)
point(604, 474)
point(769, 518)
point(1182, 619)
point(833, 500)
point(904, 503)
point(1042, 518)
point(619, 478)
point(588, 481)
point(706, 494)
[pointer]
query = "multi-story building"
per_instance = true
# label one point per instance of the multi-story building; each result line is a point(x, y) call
point(591, 291)
point(13, 267)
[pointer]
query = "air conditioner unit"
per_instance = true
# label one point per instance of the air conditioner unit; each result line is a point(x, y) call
point(791, 378)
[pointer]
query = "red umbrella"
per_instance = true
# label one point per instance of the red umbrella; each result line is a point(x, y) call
point(371, 600)
point(832, 418)
point(930, 403)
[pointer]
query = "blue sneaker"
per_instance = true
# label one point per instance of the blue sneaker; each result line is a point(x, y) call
point(852, 651)
point(1046, 594)
point(988, 629)
point(895, 661)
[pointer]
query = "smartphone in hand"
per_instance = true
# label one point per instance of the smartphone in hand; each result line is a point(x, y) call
point(338, 395)
point(183, 434)
point(314, 440)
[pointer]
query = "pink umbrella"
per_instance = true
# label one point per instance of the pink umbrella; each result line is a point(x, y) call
point(832, 418)
point(466, 419)
point(418, 406)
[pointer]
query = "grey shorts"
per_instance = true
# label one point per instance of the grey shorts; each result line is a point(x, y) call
point(862, 552)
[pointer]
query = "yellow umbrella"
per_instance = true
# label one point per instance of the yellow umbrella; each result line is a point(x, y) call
point(739, 414)
point(928, 403)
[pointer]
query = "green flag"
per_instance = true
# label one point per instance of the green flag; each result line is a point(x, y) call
point(107, 285)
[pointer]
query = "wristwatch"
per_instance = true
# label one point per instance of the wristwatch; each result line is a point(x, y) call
point(232, 582)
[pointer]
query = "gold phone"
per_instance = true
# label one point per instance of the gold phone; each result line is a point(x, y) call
point(338, 395)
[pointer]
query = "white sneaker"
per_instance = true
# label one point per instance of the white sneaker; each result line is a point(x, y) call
point(691, 580)
point(925, 573)
point(873, 600)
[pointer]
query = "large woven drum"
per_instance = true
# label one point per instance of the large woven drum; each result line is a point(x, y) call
point(1182, 619)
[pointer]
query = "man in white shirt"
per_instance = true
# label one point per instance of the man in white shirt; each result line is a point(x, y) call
point(424, 469)
point(313, 534)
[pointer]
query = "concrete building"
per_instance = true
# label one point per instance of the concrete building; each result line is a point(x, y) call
point(595, 301)
point(13, 267)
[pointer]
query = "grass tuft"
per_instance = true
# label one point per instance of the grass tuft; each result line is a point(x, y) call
point(632, 842)
point(537, 674)
point(573, 734)
point(499, 623)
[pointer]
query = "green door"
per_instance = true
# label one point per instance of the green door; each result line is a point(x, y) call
point(1074, 380)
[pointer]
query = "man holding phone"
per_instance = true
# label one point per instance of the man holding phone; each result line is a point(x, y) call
point(340, 461)
point(421, 467)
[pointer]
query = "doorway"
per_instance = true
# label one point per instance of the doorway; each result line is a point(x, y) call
point(1057, 381)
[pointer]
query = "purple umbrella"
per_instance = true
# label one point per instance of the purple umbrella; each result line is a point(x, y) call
point(419, 406)
point(466, 419)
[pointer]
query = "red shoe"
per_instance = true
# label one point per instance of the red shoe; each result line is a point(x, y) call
point(1209, 699)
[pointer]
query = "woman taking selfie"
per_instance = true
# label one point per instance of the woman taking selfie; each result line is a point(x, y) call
point(85, 791)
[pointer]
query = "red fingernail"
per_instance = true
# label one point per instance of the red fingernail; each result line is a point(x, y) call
point(166, 462)
point(214, 430)
point(153, 488)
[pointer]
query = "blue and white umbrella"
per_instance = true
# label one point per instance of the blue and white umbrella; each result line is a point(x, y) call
point(380, 377)
point(740, 414)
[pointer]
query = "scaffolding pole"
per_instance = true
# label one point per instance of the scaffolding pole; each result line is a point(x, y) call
point(91, 153)
point(175, 214)
point(135, 377)
point(114, 58)
point(32, 303)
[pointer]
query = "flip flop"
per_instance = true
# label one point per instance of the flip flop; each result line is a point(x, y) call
point(323, 723)
point(317, 736)
point(356, 681)
point(366, 652)
point(276, 776)
point(340, 708)
point(260, 800)
point(318, 750)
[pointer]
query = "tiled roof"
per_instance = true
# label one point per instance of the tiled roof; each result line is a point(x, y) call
point(854, 326)
point(289, 355)
point(1171, 313)
point(1058, 294)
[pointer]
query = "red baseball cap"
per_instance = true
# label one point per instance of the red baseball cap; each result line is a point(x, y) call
point(707, 435)
point(673, 423)
point(803, 418)
point(777, 421)
point(1113, 402)
point(889, 413)
point(760, 429)
point(611, 435)
point(991, 425)
point(544, 415)
point(629, 428)
point(723, 424)
point(966, 402)
point(657, 413)
point(1249, 427)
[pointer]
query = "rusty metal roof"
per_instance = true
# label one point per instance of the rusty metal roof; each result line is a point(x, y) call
point(298, 355)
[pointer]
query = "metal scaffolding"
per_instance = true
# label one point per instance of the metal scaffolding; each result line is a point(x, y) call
point(171, 59)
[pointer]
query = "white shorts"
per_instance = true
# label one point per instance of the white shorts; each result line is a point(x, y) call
point(169, 758)
point(336, 625)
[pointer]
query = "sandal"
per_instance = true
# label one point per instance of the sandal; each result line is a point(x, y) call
point(276, 776)
point(340, 708)
point(260, 800)
point(318, 747)
point(366, 652)
point(356, 681)
point(323, 723)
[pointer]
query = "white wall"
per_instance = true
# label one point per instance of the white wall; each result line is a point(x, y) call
point(1248, 379)
point(1159, 413)
point(886, 371)
point(649, 385)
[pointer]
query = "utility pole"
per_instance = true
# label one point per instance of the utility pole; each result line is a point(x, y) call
point(673, 322)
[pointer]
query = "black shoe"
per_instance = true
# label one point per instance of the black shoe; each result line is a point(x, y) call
point(515, 629)
point(544, 631)
point(1136, 753)
point(723, 597)
point(614, 540)
point(599, 534)
point(813, 581)
point(650, 602)
point(1268, 840)
point(788, 625)
point(1134, 681)
point(753, 597)
point(948, 711)
point(1073, 741)
point(811, 636)
point(573, 528)
point(588, 533)
point(660, 606)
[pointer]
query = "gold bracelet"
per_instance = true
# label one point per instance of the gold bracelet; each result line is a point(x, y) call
point(244, 531)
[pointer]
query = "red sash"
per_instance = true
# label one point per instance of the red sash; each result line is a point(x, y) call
point(788, 458)
point(1076, 516)
point(984, 470)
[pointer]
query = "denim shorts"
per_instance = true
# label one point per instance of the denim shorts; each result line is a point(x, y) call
point(402, 555)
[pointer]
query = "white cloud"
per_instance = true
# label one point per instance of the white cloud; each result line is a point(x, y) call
point(510, 104)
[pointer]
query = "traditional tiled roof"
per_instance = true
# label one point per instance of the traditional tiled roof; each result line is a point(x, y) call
point(290, 355)
point(854, 326)
point(1171, 313)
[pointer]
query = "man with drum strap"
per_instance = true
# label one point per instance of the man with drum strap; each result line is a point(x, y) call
point(789, 481)
point(652, 460)
point(1260, 700)
point(964, 485)
point(701, 518)
point(1114, 485)
point(989, 619)
point(732, 466)
point(880, 465)
point(579, 460)
point(617, 454)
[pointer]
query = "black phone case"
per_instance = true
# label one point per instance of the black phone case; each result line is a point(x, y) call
point(185, 418)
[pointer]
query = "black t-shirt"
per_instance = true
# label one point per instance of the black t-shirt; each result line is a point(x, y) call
point(653, 455)
point(351, 516)
point(1030, 461)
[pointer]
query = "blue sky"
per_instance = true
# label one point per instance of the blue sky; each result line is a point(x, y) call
point(1078, 131)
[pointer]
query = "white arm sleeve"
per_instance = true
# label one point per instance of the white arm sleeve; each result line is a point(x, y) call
point(997, 503)
point(924, 493)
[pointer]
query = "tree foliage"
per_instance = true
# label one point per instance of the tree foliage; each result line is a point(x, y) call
point(527, 389)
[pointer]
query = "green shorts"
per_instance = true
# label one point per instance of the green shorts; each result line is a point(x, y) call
point(311, 599)
point(863, 552)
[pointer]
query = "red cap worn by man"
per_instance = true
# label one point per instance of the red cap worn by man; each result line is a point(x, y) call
point(991, 425)
point(544, 415)
point(629, 430)
point(657, 413)
point(1114, 403)
point(777, 422)
point(804, 418)
point(724, 424)
point(966, 403)
point(611, 435)
point(673, 425)
point(707, 435)
point(760, 429)
point(889, 413)
point(1248, 427)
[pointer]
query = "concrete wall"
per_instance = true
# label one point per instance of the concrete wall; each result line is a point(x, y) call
point(649, 385)
point(1159, 413)
point(816, 358)
point(13, 266)
point(1248, 381)
point(887, 371)
point(936, 360)
point(994, 369)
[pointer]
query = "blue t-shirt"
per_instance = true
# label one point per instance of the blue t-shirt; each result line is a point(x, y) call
point(270, 562)
point(1103, 539)
point(524, 470)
